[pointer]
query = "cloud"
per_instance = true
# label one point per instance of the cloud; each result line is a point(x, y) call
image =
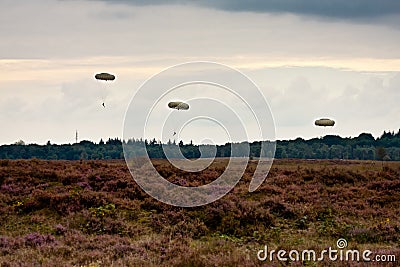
point(357, 101)
point(355, 9)
point(47, 60)
point(181, 33)
point(12, 108)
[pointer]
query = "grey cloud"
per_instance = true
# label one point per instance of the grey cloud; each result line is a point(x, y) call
point(354, 9)
point(178, 31)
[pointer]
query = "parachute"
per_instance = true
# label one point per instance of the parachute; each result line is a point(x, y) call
point(104, 76)
point(178, 105)
point(324, 122)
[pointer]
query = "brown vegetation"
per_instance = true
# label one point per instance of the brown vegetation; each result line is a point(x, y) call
point(92, 213)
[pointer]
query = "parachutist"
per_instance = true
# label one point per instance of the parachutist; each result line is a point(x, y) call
point(179, 106)
point(104, 78)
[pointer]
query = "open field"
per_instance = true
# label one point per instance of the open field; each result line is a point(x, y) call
point(92, 213)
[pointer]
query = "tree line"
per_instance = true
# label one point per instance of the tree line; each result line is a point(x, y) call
point(362, 147)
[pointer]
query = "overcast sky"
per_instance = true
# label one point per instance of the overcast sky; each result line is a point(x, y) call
point(311, 59)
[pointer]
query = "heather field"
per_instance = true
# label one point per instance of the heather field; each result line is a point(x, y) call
point(92, 213)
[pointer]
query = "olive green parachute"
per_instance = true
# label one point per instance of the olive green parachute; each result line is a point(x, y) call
point(105, 76)
point(178, 105)
point(324, 122)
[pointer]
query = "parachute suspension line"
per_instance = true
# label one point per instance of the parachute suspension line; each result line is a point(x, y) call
point(104, 92)
point(174, 125)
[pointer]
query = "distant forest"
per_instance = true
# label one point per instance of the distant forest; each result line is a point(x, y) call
point(363, 147)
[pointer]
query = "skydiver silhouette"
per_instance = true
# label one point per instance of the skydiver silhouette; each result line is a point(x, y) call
point(104, 105)
point(174, 134)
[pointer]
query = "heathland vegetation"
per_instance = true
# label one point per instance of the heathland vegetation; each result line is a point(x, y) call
point(92, 213)
point(362, 147)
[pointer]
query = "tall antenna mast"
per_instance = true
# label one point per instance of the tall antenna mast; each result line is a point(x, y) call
point(76, 136)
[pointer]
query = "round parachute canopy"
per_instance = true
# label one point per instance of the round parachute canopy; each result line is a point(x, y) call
point(178, 105)
point(324, 122)
point(104, 76)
